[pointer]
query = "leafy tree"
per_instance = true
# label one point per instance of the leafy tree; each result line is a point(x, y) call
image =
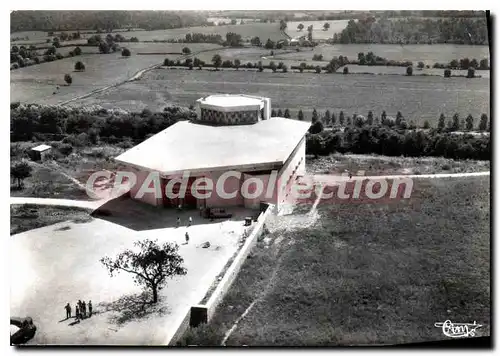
point(255, 41)
point(273, 113)
point(14, 49)
point(334, 119)
point(68, 79)
point(409, 70)
point(447, 73)
point(217, 61)
point(318, 69)
point(370, 118)
point(314, 116)
point(151, 265)
point(483, 122)
point(269, 44)
point(287, 114)
point(50, 51)
point(441, 122)
point(237, 64)
point(20, 170)
point(79, 66)
point(349, 122)
point(326, 26)
point(399, 118)
point(341, 118)
point(474, 64)
point(126, 52)
point(346, 70)
point(300, 115)
point(280, 113)
point(103, 47)
point(456, 123)
point(300, 27)
point(186, 50)
point(327, 118)
point(316, 127)
point(315, 144)
point(426, 124)
point(469, 123)
point(302, 67)
point(383, 116)
point(420, 65)
point(284, 68)
point(483, 64)
point(260, 66)
point(77, 51)
point(273, 66)
point(471, 73)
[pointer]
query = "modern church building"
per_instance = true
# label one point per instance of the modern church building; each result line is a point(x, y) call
point(234, 142)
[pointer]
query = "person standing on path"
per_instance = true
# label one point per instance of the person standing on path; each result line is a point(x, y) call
point(77, 312)
point(84, 309)
point(178, 222)
point(68, 311)
point(187, 238)
point(90, 308)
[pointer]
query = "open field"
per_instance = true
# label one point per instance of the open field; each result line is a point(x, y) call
point(374, 165)
point(429, 54)
point(61, 265)
point(368, 274)
point(418, 98)
point(353, 68)
point(36, 84)
point(336, 26)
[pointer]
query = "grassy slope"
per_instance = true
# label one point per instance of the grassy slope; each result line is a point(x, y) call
point(372, 274)
point(25, 218)
point(424, 98)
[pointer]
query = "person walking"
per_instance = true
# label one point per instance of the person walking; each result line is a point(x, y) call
point(90, 308)
point(178, 222)
point(187, 238)
point(68, 311)
point(190, 221)
point(77, 312)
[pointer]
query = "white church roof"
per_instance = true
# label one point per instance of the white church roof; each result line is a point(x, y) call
point(186, 146)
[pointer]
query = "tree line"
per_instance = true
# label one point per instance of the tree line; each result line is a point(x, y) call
point(471, 31)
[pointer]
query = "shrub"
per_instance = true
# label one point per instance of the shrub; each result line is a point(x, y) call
point(126, 52)
point(345, 70)
point(317, 57)
point(471, 72)
point(186, 50)
point(68, 79)
point(65, 149)
point(284, 68)
point(409, 70)
point(300, 115)
point(420, 65)
point(318, 69)
point(203, 335)
point(79, 66)
point(447, 73)
point(77, 51)
point(426, 124)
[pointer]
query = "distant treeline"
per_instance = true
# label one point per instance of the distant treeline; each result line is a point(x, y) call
point(43, 20)
point(391, 141)
point(30, 122)
point(471, 31)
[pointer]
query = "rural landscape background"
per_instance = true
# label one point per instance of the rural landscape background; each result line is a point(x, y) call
point(386, 92)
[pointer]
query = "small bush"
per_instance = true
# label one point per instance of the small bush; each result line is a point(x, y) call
point(126, 52)
point(346, 70)
point(65, 149)
point(447, 73)
point(471, 72)
point(409, 70)
point(79, 66)
point(203, 335)
point(68, 79)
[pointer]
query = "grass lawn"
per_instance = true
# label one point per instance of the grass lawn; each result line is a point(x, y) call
point(419, 98)
point(28, 217)
point(37, 83)
point(336, 26)
point(367, 274)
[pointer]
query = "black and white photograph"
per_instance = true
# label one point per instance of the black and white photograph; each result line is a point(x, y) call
point(250, 178)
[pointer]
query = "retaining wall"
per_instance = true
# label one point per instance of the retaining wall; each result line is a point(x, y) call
point(203, 313)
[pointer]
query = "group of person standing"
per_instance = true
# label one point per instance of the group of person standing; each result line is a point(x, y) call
point(80, 310)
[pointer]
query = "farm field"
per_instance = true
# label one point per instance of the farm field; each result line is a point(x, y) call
point(36, 84)
point(429, 54)
point(262, 30)
point(367, 274)
point(336, 26)
point(419, 98)
point(353, 68)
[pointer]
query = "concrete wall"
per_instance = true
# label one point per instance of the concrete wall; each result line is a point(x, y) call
point(254, 203)
point(294, 167)
point(148, 198)
point(229, 277)
point(231, 184)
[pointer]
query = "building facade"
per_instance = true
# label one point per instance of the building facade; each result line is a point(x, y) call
point(234, 143)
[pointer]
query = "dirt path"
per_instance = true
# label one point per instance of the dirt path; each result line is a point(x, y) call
point(136, 76)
